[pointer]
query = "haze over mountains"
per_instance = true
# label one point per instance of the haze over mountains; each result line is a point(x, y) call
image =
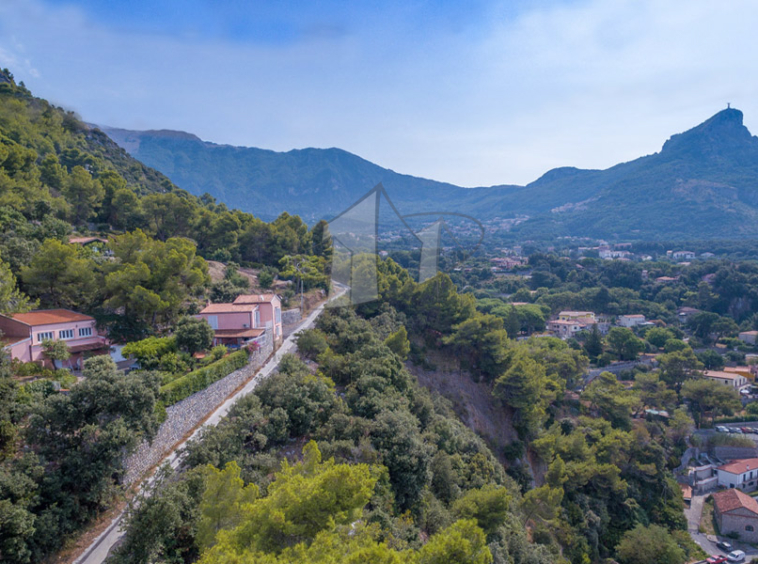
point(702, 184)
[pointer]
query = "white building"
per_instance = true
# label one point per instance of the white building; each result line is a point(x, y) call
point(741, 474)
point(567, 329)
point(631, 320)
point(734, 379)
point(685, 255)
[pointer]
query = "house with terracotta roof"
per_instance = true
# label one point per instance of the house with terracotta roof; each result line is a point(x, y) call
point(736, 514)
point(234, 325)
point(734, 379)
point(741, 474)
point(270, 308)
point(24, 333)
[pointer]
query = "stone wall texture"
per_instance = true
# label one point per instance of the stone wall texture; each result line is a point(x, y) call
point(183, 416)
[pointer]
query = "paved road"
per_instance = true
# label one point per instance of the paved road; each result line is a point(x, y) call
point(98, 551)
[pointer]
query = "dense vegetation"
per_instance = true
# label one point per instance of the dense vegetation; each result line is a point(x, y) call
point(392, 475)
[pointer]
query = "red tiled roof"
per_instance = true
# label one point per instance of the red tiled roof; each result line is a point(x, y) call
point(254, 298)
point(732, 499)
point(50, 316)
point(740, 466)
point(228, 308)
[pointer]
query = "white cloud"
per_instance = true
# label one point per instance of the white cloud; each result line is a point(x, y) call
point(587, 84)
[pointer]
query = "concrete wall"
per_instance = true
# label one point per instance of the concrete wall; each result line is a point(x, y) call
point(185, 415)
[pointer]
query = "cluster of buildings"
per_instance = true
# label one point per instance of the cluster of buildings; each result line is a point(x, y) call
point(569, 323)
point(251, 318)
point(735, 511)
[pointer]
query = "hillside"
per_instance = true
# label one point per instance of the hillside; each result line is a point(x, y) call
point(700, 185)
point(312, 183)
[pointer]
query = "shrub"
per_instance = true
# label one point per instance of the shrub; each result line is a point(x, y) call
point(201, 378)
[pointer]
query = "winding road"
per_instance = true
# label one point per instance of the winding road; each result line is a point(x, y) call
point(97, 552)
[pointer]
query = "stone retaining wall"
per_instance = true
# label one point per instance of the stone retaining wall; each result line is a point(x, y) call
point(183, 416)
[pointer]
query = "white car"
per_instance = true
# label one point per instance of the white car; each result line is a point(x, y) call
point(722, 429)
point(736, 556)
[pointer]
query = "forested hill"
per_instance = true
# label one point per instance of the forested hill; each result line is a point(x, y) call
point(702, 184)
point(34, 124)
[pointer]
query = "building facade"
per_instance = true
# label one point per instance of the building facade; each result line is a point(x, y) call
point(740, 474)
point(270, 308)
point(736, 514)
point(24, 333)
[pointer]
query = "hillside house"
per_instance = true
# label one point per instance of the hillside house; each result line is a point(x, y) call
point(741, 474)
point(736, 514)
point(24, 333)
point(234, 325)
point(748, 337)
point(270, 308)
point(736, 380)
point(634, 320)
point(567, 329)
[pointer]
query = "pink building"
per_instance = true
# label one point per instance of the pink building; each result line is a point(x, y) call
point(23, 334)
point(270, 307)
point(233, 324)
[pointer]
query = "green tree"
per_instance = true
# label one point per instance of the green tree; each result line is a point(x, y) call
point(222, 506)
point(60, 277)
point(321, 241)
point(649, 545)
point(657, 336)
point(709, 397)
point(711, 359)
point(624, 343)
point(609, 397)
point(12, 300)
point(678, 367)
point(593, 344)
point(56, 350)
point(398, 343)
point(193, 335)
point(489, 505)
point(84, 193)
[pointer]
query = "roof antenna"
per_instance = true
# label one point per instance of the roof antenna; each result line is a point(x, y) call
point(728, 105)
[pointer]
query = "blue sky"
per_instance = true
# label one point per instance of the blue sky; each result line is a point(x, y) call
point(474, 93)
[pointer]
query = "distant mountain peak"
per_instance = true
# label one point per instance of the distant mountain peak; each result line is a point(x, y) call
point(720, 135)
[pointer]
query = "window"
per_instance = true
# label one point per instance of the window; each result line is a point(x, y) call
point(257, 318)
point(45, 336)
point(749, 528)
point(278, 315)
point(66, 334)
point(85, 332)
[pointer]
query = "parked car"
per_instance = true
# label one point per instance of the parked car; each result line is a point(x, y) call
point(716, 559)
point(725, 546)
point(736, 556)
point(747, 430)
point(722, 429)
point(735, 430)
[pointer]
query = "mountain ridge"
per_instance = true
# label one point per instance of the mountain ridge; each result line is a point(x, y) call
point(703, 182)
